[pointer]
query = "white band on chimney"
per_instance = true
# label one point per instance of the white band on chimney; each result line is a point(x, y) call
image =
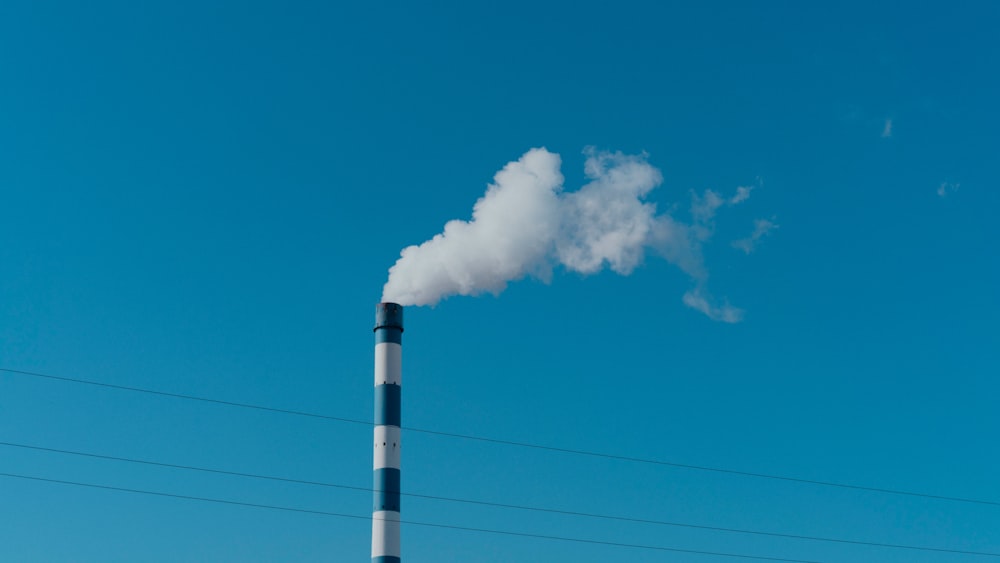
point(388, 363)
point(387, 445)
point(385, 534)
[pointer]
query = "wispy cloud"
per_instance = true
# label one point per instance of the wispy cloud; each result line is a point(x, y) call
point(704, 207)
point(761, 228)
point(887, 129)
point(703, 211)
point(742, 194)
point(698, 300)
point(946, 188)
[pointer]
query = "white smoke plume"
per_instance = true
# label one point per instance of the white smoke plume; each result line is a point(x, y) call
point(526, 225)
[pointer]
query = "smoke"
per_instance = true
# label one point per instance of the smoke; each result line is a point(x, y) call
point(606, 221)
point(526, 225)
point(510, 236)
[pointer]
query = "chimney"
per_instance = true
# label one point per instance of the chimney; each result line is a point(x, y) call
point(388, 376)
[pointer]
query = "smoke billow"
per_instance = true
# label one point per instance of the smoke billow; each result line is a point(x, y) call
point(526, 225)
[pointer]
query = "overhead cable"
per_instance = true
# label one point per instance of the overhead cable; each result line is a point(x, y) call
point(515, 443)
point(409, 522)
point(503, 505)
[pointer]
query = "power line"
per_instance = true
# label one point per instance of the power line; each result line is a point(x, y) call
point(408, 522)
point(503, 505)
point(517, 443)
point(186, 397)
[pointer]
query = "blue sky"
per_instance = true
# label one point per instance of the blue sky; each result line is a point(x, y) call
point(205, 199)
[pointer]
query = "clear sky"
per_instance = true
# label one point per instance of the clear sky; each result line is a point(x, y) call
point(204, 198)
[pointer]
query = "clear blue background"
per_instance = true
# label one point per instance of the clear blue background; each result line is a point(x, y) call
point(205, 197)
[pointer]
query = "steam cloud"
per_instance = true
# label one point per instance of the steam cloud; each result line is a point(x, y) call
point(526, 225)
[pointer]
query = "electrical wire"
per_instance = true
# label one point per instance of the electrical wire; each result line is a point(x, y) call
point(502, 505)
point(408, 522)
point(519, 444)
point(186, 397)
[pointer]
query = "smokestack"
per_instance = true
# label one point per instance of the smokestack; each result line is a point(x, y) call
point(388, 377)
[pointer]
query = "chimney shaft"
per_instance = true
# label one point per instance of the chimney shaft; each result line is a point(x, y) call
point(388, 379)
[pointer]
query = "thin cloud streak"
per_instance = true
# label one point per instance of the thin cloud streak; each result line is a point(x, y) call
point(946, 188)
point(698, 300)
point(761, 228)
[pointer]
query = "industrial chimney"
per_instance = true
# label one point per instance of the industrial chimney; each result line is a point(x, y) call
point(388, 377)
